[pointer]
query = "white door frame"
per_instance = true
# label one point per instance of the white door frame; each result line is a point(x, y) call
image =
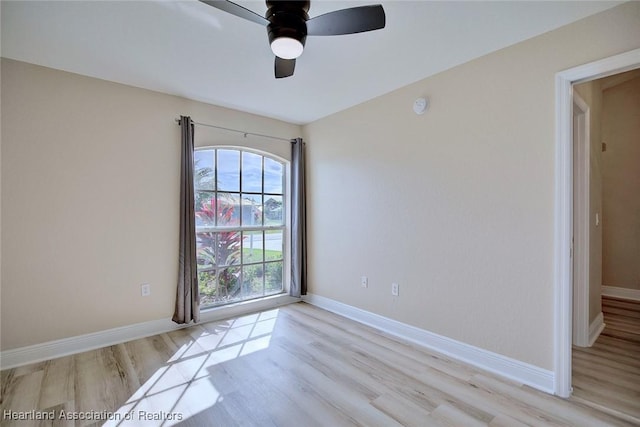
point(581, 227)
point(563, 215)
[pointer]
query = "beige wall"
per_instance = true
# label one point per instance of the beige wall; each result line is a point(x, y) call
point(621, 185)
point(591, 93)
point(90, 200)
point(455, 205)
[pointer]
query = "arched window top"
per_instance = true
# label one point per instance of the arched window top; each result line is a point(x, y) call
point(239, 170)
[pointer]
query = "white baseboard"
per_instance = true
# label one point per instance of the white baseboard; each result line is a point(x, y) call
point(516, 370)
point(595, 328)
point(624, 293)
point(78, 344)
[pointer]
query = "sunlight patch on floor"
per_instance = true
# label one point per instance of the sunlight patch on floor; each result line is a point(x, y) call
point(185, 385)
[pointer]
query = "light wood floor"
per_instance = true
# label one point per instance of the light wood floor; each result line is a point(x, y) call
point(294, 366)
point(608, 373)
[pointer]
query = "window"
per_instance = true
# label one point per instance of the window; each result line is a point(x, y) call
point(240, 225)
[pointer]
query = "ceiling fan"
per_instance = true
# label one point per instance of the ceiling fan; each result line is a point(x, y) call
point(288, 26)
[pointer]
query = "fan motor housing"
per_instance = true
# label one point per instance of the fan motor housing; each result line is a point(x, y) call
point(287, 19)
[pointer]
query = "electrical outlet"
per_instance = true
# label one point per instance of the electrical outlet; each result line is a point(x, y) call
point(364, 282)
point(395, 289)
point(145, 289)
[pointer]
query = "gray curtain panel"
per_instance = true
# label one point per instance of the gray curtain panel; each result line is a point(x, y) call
point(298, 220)
point(187, 294)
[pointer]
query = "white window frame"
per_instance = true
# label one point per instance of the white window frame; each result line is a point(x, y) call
point(286, 227)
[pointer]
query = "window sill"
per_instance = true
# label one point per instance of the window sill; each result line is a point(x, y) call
point(210, 314)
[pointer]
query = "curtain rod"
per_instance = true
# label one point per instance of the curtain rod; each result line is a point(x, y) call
point(238, 131)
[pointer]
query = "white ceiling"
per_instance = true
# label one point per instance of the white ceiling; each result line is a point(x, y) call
point(189, 49)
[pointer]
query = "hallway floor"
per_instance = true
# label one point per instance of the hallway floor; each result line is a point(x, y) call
point(607, 375)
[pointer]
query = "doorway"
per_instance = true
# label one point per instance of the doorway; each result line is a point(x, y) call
point(564, 206)
point(606, 360)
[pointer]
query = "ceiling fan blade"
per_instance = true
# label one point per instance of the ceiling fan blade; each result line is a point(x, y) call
point(347, 21)
point(237, 10)
point(284, 67)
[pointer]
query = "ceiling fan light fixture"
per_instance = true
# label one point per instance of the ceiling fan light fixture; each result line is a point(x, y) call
point(286, 47)
point(288, 25)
